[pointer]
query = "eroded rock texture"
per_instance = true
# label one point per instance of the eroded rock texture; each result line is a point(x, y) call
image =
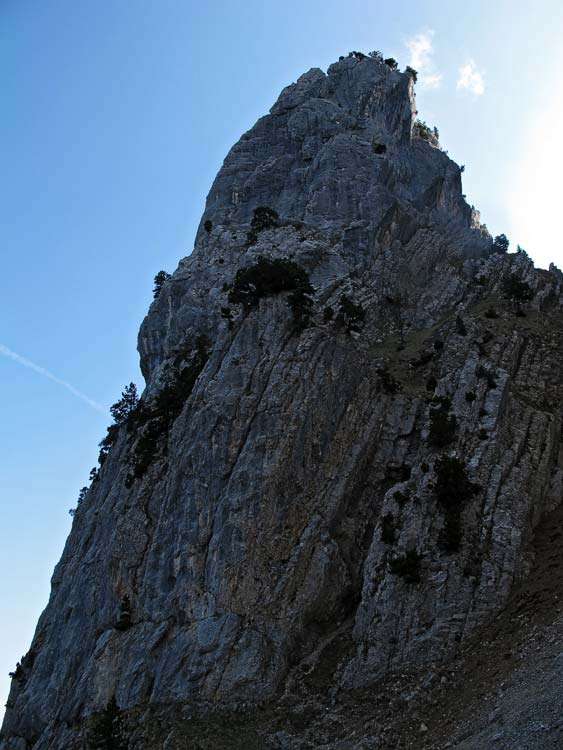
point(271, 504)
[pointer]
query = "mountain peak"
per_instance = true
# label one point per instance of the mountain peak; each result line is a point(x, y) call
point(350, 430)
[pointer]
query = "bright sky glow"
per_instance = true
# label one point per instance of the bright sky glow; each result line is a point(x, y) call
point(534, 192)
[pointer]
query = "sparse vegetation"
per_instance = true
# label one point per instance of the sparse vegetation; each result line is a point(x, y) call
point(431, 383)
point(24, 666)
point(453, 491)
point(488, 336)
point(81, 495)
point(180, 380)
point(401, 498)
point(470, 397)
point(124, 617)
point(106, 730)
point(422, 359)
point(159, 281)
point(491, 313)
point(208, 225)
point(520, 250)
point(263, 218)
point(422, 130)
point(483, 374)
point(17, 674)
point(517, 291)
point(460, 327)
point(407, 566)
point(412, 73)
point(388, 529)
point(396, 473)
point(328, 314)
point(442, 424)
point(153, 421)
point(387, 381)
point(378, 148)
point(269, 277)
point(391, 63)
point(350, 316)
point(227, 314)
point(146, 449)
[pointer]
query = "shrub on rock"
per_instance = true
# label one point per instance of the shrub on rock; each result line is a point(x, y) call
point(517, 291)
point(106, 729)
point(388, 529)
point(407, 566)
point(442, 424)
point(350, 316)
point(263, 218)
point(453, 491)
point(269, 277)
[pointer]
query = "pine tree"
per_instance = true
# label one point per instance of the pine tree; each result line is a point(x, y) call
point(517, 291)
point(81, 495)
point(159, 281)
point(126, 405)
point(501, 243)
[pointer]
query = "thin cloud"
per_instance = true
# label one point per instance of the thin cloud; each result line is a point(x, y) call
point(42, 371)
point(471, 78)
point(421, 59)
point(431, 81)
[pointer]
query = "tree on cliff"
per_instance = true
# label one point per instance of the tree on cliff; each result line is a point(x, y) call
point(122, 409)
point(517, 291)
point(107, 730)
point(159, 281)
point(500, 244)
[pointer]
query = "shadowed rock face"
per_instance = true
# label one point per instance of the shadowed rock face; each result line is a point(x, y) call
point(256, 527)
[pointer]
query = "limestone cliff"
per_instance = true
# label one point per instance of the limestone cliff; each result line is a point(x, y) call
point(363, 463)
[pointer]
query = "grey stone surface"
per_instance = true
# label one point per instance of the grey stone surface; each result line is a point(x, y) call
point(258, 530)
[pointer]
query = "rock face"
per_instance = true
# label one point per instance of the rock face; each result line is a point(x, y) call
point(272, 503)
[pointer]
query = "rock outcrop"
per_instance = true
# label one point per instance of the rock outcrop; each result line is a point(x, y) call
point(364, 463)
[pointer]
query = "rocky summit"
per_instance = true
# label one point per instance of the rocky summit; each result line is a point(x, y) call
point(327, 498)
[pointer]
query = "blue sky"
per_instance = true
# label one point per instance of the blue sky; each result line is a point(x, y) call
point(116, 115)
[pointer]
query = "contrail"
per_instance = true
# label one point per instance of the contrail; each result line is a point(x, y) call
point(42, 371)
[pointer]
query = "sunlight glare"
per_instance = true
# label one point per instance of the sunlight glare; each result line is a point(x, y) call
point(535, 207)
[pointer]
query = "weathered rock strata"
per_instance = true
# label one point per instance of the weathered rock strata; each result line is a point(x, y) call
point(256, 530)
